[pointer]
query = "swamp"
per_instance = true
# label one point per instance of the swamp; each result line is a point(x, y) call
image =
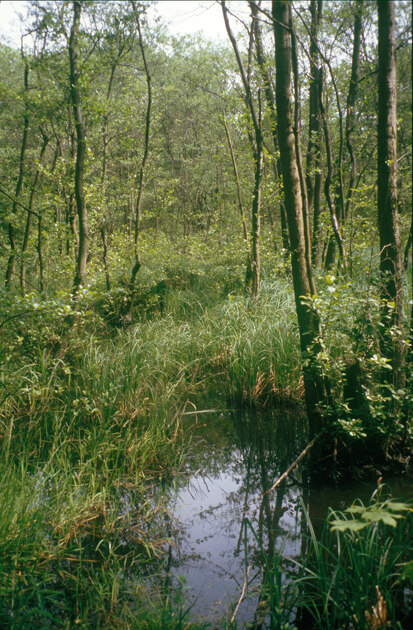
point(206, 317)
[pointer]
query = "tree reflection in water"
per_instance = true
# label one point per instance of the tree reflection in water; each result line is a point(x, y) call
point(237, 460)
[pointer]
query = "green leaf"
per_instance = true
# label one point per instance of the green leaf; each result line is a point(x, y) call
point(344, 525)
point(396, 507)
point(356, 509)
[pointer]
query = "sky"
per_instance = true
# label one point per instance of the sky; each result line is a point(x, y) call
point(189, 16)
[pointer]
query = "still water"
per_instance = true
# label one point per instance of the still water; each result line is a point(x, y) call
point(224, 520)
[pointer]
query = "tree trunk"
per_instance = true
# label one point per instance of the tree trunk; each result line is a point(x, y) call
point(105, 256)
point(138, 206)
point(29, 214)
point(351, 100)
point(314, 164)
point(105, 142)
point(80, 275)
point(308, 321)
point(240, 206)
point(40, 253)
point(327, 188)
point(270, 99)
point(234, 165)
point(257, 143)
point(11, 231)
point(256, 221)
point(297, 131)
point(390, 256)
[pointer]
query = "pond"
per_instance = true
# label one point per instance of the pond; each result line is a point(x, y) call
point(224, 519)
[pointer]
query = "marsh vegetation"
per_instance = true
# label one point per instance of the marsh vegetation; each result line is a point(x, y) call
point(189, 303)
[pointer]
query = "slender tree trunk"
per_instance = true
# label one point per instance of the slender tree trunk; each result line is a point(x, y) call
point(80, 275)
point(257, 143)
point(388, 221)
point(351, 101)
point(297, 131)
point(29, 214)
point(308, 321)
point(105, 256)
point(327, 187)
point(234, 165)
point(408, 246)
point(240, 206)
point(256, 221)
point(141, 177)
point(314, 163)
point(40, 253)
point(270, 100)
point(72, 233)
point(105, 128)
point(19, 185)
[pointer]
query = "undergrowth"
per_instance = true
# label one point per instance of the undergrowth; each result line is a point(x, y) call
point(91, 420)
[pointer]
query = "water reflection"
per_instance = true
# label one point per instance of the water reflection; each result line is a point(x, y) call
point(228, 528)
point(238, 461)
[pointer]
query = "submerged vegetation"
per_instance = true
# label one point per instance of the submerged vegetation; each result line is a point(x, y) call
point(159, 264)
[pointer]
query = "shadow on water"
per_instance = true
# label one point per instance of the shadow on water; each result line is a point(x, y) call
point(228, 528)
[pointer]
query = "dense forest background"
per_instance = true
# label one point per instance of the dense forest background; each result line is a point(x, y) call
point(185, 221)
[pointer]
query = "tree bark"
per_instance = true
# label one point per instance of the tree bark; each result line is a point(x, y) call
point(327, 186)
point(308, 320)
point(297, 131)
point(40, 253)
point(270, 99)
point(80, 274)
point(105, 256)
point(388, 221)
point(234, 165)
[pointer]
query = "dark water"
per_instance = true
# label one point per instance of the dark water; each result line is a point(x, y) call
point(234, 462)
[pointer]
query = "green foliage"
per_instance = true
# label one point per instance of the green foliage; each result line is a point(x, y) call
point(92, 391)
point(363, 516)
point(364, 407)
point(354, 573)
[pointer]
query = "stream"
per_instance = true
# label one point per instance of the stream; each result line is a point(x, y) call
point(223, 522)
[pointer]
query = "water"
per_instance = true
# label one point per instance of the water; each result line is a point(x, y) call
point(234, 463)
point(237, 462)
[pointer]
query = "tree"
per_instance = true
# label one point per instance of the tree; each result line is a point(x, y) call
point(308, 320)
point(388, 221)
point(270, 100)
point(80, 275)
point(351, 100)
point(141, 176)
point(19, 185)
point(258, 148)
point(314, 163)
